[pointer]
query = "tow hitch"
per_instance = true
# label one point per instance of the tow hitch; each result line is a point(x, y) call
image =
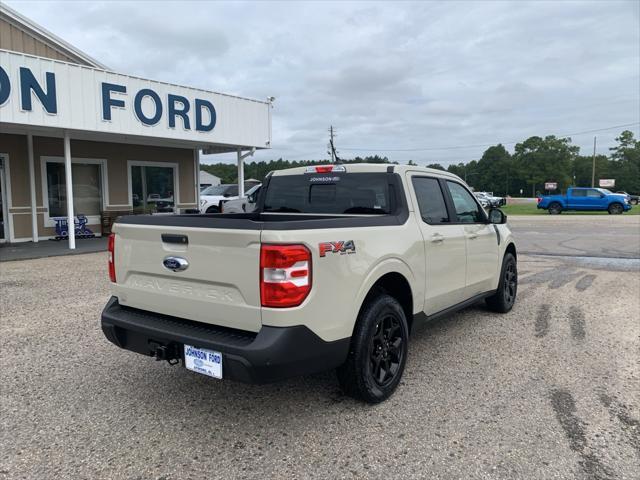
point(170, 352)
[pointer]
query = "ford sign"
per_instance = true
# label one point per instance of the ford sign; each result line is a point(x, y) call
point(175, 264)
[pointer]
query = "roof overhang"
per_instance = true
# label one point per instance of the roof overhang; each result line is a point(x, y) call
point(48, 97)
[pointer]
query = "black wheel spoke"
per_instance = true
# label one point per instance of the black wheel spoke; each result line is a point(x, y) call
point(386, 349)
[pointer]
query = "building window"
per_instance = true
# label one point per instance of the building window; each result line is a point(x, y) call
point(87, 189)
point(152, 189)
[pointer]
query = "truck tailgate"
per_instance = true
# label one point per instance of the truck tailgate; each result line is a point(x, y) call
point(220, 285)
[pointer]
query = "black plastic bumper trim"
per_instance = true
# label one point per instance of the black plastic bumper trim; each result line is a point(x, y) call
point(270, 355)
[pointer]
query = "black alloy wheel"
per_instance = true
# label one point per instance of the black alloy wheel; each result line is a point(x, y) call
point(555, 208)
point(510, 283)
point(615, 209)
point(386, 350)
point(503, 299)
point(378, 353)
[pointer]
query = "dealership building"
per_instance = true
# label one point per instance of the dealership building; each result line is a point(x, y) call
point(78, 141)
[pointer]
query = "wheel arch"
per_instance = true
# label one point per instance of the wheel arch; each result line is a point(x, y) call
point(511, 248)
point(395, 278)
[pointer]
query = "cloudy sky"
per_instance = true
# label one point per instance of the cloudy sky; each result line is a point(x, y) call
point(428, 81)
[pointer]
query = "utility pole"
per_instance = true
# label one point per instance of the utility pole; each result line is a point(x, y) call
point(593, 165)
point(332, 148)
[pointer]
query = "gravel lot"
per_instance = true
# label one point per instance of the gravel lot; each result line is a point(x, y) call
point(550, 390)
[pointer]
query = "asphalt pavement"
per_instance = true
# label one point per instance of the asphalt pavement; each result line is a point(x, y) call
point(611, 236)
point(550, 390)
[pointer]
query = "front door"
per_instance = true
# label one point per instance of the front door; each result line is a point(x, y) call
point(481, 240)
point(444, 244)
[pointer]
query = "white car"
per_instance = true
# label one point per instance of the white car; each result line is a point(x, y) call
point(243, 205)
point(212, 198)
point(491, 201)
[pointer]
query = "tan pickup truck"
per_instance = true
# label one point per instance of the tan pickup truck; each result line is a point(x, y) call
point(331, 270)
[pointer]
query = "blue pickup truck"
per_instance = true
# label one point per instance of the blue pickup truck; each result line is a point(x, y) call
point(585, 199)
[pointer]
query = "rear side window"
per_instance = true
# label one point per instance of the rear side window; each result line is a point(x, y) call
point(467, 209)
point(430, 200)
point(330, 193)
point(578, 193)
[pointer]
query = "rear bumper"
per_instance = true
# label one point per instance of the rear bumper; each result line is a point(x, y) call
point(270, 355)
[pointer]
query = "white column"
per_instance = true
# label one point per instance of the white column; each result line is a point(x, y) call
point(32, 186)
point(196, 159)
point(240, 174)
point(69, 183)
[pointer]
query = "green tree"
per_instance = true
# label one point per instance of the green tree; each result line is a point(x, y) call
point(494, 170)
point(549, 159)
point(582, 169)
point(625, 163)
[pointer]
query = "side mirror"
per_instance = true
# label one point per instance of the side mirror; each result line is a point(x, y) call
point(497, 216)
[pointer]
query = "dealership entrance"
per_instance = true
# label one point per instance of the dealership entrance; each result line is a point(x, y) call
point(80, 144)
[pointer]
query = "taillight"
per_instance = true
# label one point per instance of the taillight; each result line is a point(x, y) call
point(112, 260)
point(285, 275)
point(539, 199)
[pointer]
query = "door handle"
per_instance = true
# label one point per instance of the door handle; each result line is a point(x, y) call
point(472, 236)
point(437, 238)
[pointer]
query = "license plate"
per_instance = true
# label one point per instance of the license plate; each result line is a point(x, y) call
point(206, 362)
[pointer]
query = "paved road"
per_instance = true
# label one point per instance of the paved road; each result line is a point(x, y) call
point(549, 390)
point(616, 236)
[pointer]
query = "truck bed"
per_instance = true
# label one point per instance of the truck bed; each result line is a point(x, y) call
point(264, 221)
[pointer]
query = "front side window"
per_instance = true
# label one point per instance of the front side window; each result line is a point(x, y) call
point(87, 189)
point(467, 209)
point(430, 200)
point(593, 193)
point(152, 189)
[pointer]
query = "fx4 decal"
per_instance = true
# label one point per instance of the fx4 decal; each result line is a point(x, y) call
point(342, 247)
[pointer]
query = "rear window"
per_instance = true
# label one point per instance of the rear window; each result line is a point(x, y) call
point(330, 193)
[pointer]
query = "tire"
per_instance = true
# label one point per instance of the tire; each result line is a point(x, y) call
point(212, 210)
point(378, 351)
point(555, 208)
point(633, 201)
point(615, 209)
point(502, 301)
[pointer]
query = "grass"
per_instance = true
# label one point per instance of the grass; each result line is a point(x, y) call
point(531, 209)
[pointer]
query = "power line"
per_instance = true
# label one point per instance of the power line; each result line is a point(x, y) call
point(459, 147)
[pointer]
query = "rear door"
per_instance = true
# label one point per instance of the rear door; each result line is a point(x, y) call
point(481, 240)
point(577, 199)
point(220, 284)
point(444, 243)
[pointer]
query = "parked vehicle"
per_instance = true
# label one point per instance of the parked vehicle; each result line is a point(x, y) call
point(633, 199)
point(585, 199)
point(212, 198)
point(333, 269)
point(484, 201)
point(245, 204)
point(490, 199)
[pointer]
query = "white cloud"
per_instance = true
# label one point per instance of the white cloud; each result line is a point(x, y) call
point(386, 75)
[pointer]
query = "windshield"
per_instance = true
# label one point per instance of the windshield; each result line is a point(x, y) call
point(332, 193)
point(252, 190)
point(216, 190)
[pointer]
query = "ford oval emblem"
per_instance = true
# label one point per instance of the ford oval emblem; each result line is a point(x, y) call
point(175, 264)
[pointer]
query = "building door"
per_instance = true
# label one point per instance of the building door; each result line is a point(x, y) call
point(4, 208)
